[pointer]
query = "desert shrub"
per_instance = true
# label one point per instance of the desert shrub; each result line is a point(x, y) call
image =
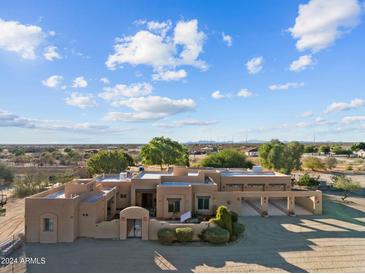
point(234, 217)
point(166, 235)
point(237, 230)
point(30, 184)
point(184, 234)
point(6, 173)
point(330, 162)
point(307, 180)
point(223, 218)
point(346, 184)
point(216, 235)
point(349, 167)
point(313, 163)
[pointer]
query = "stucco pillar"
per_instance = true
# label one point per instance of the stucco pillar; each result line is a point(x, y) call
point(264, 205)
point(317, 205)
point(291, 205)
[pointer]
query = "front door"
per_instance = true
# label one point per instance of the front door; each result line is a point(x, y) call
point(147, 200)
point(134, 228)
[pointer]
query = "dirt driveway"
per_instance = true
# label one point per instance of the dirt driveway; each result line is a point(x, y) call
point(333, 242)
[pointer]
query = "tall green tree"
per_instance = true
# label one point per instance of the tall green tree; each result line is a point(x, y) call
point(107, 161)
point(226, 158)
point(281, 157)
point(164, 151)
point(325, 149)
point(358, 146)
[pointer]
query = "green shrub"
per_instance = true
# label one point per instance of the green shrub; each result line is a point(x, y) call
point(30, 184)
point(237, 230)
point(307, 180)
point(234, 217)
point(216, 235)
point(184, 234)
point(6, 173)
point(223, 218)
point(166, 235)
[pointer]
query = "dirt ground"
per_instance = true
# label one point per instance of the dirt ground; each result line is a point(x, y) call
point(13, 222)
point(332, 242)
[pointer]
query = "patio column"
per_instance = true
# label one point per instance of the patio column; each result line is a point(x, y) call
point(264, 205)
point(291, 205)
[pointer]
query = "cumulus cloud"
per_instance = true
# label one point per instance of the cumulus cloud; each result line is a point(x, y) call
point(255, 65)
point(79, 82)
point(302, 63)
point(53, 81)
point(227, 39)
point(159, 50)
point(342, 106)
point(286, 86)
point(150, 108)
point(21, 39)
point(81, 101)
point(105, 80)
point(244, 93)
point(51, 54)
point(169, 75)
point(121, 90)
point(319, 121)
point(320, 22)
point(352, 119)
point(217, 95)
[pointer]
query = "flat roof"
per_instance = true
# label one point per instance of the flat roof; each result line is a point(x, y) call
point(97, 196)
point(176, 184)
point(56, 195)
point(242, 174)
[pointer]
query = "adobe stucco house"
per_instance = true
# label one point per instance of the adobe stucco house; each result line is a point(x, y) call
point(127, 205)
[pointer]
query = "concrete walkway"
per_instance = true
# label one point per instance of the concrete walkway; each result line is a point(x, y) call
point(333, 242)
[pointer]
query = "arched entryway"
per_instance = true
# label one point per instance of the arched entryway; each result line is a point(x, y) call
point(134, 222)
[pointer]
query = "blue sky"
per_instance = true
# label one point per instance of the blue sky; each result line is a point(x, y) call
point(126, 71)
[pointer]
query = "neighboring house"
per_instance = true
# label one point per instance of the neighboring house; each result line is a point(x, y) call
point(126, 205)
point(360, 153)
point(252, 152)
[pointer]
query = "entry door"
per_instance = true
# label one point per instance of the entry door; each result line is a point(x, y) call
point(134, 227)
point(147, 200)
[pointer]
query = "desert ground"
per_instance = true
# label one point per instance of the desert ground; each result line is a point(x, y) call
point(332, 242)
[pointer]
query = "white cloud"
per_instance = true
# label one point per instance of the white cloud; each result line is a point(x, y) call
point(81, 101)
point(122, 90)
point(217, 95)
point(12, 120)
point(244, 93)
point(105, 80)
point(169, 75)
point(320, 22)
point(302, 63)
point(255, 65)
point(227, 39)
point(159, 50)
point(342, 106)
point(21, 39)
point(352, 119)
point(79, 82)
point(53, 81)
point(51, 54)
point(307, 114)
point(286, 86)
point(183, 123)
point(319, 121)
point(150, 108)
point(159, 27)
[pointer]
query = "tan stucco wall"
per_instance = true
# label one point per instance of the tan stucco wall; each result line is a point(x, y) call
point(107, 230)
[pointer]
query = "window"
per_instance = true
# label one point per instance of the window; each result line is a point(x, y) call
point(174, 205)
point(203, 203)
point(48, 225)
point(123, 196)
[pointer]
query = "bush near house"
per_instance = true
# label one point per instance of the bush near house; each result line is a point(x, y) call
point(184, 234)
point(216, 235)
point(346, 184)
point(166, 235)
point(307, 180)
point(237, 230)
point(223, 219)
point(313, 163)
